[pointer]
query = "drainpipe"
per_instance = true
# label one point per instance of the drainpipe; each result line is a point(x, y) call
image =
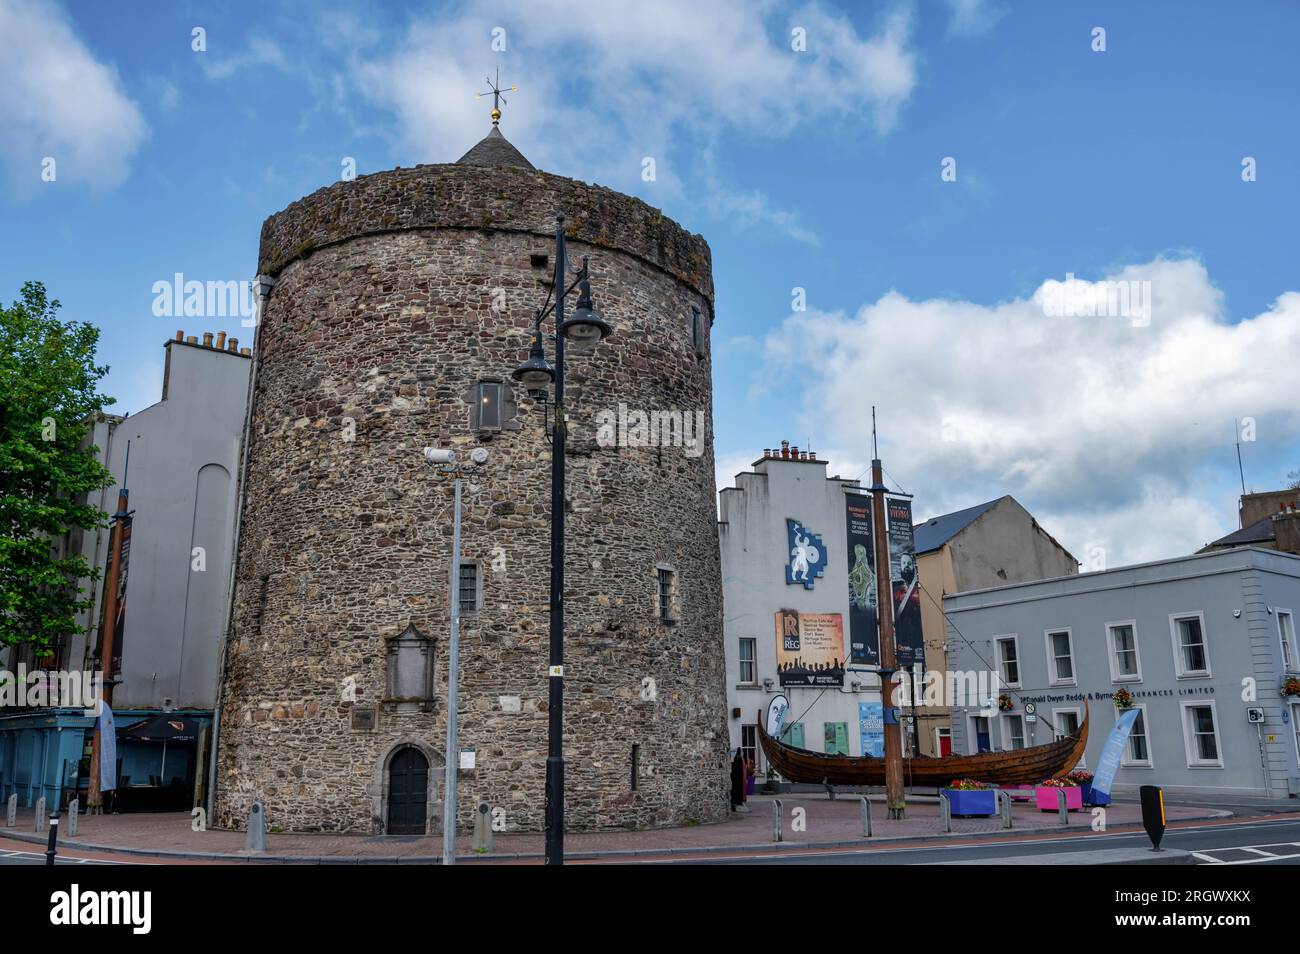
point(262, 286)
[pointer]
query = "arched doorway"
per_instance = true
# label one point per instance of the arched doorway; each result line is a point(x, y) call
point(408, 792)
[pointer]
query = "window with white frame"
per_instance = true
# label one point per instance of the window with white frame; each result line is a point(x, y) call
point(1191, 651)
point(1060, 657)
point(1137, 753)
point(1125, 663)
point(1201, 735)
point(1286, 632)
point(748, 672)
point(1009, 659)
point(1295, 727)
point(1015, 731)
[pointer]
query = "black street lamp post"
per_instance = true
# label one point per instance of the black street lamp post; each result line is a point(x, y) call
point(583, 331)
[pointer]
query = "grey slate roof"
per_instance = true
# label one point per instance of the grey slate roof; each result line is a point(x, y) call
point(937, 531)
point(1260, 531)
point(494, 149)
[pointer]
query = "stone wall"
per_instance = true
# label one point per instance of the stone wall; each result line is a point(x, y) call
point(369, 350)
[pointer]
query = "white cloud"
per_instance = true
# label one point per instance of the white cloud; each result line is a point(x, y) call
point(1114, 435)
point(260, 52)
point(57, 100)
point(968, 18)
point(637, 78)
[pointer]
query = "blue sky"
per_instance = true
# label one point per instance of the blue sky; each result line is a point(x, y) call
point(816, 169)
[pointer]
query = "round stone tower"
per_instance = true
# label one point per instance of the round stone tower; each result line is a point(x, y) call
point(402, 302)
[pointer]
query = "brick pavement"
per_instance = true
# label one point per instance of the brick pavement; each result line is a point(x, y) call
point(826, 822)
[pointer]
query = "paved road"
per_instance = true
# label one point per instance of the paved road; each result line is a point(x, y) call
point(38, 858)
point(1249, 842)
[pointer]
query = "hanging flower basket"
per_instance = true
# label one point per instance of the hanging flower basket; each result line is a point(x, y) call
point(1123, 699)
point(1005, 704)
point(1291, 687)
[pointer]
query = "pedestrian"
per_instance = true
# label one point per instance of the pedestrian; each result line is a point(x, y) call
point(738, 782)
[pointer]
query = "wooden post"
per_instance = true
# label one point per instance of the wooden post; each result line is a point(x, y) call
point(108, 633)
point(888, 654)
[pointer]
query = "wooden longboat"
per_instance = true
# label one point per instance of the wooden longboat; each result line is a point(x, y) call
point(1018, 766)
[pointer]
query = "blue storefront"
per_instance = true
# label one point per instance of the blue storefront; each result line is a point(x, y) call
point(45, 753)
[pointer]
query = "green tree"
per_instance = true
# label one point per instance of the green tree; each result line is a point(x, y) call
point(48, 397)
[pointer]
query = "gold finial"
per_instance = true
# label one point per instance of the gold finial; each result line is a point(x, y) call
point(497, 99)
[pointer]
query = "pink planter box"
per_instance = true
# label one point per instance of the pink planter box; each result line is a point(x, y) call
point(1020, 793)
point(1046, 800)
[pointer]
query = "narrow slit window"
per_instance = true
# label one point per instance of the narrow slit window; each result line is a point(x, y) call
point(489, 405)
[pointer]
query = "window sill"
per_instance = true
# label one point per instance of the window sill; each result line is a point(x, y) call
point(1064, 684)
point(1136, 765)
point(1126, 679)
point(749, 685)
point(1199, 674)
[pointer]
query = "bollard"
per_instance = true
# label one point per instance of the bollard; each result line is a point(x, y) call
point(40, 814)
point(945, 812)
point(1153, 813)
point(866, 816)
point(51, 850)
point(74, 808)
point(255, 840)
point(1005, 801)
point(483, 835)
point(11, 811)
point(777, 833)
point(1060, 806)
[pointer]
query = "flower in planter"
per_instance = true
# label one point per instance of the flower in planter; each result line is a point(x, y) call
point(967, 785)
point(1080, 777)
point(1291, 687)
point(1005, 704)
point(1066, 782)
point(1123, 699)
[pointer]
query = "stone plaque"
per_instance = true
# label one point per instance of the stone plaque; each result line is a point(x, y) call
point(363, 720)
point(508, 703)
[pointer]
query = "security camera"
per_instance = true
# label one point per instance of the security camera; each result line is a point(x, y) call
point(440, 455)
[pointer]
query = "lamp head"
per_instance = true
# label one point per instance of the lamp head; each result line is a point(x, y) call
point(535, 374)
point(585, 328)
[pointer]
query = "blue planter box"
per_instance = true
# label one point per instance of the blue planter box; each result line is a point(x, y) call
point(972, 802)
point(1093, 798)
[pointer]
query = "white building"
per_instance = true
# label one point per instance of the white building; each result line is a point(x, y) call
point(183, 480)
point(1203, 644)
point(754, 534)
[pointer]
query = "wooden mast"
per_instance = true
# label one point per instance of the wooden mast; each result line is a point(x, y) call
point(108, 631)
point(888, 653)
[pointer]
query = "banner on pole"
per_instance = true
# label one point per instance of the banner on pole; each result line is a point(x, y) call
point(906, 585)
point(864, 630)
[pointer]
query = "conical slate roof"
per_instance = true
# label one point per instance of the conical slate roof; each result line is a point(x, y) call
point(494, 150)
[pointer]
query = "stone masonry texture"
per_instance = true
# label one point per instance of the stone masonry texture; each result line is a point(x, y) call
point(396, 294)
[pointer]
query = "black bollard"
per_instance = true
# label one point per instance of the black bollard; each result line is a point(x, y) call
point(50, 851)
point(1153, 814)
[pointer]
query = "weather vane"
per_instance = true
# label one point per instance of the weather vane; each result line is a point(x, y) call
point(497, 99)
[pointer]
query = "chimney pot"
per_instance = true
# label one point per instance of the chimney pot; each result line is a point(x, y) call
point(180, 334)
point(812, 455)
point(246, 352)
point(207, 339)
point(221, 341)
point(232, 345)
point(192, 339)
point(767, 452)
